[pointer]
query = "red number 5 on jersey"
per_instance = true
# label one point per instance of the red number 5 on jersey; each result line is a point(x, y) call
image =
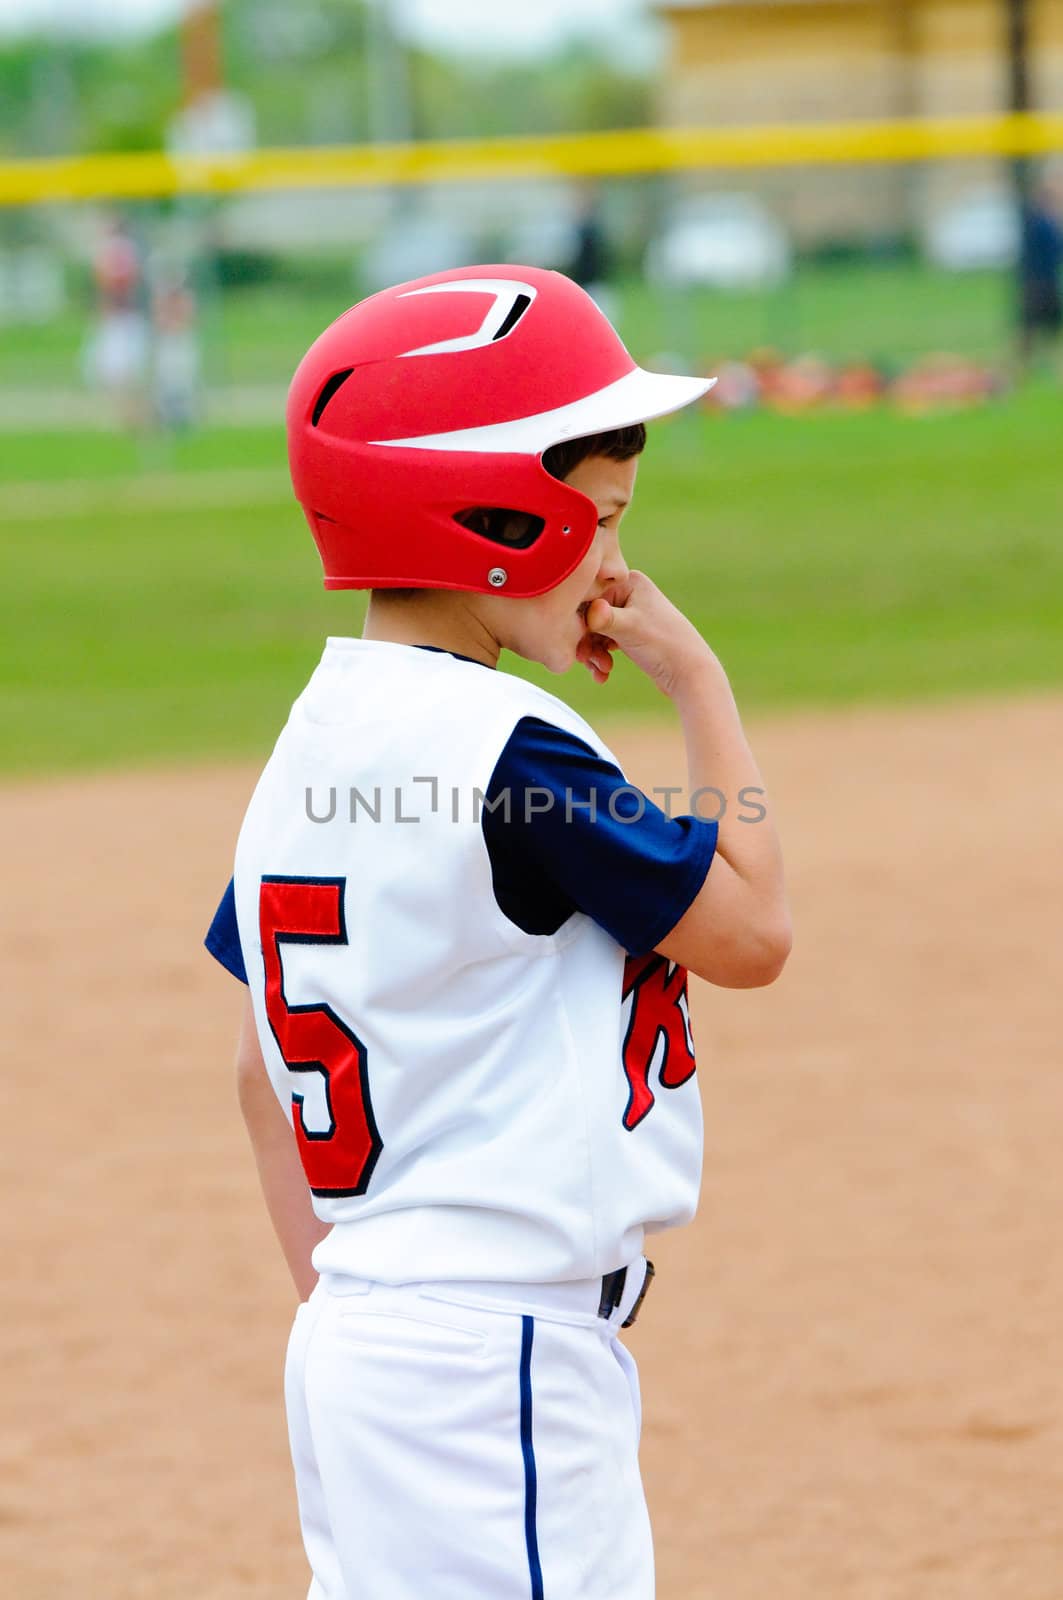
point(338, 1140)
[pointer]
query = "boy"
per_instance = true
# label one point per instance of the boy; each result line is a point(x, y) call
point(465, 939)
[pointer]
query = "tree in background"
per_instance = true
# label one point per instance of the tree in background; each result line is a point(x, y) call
point(306, 72)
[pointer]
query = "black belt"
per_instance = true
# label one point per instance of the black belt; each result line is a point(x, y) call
point(613, 1285)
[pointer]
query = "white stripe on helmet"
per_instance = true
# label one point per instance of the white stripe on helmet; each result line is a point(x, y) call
point(637, 397)
point(507, 291)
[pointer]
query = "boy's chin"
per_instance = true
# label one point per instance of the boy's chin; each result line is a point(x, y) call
point(556, 653)
point(562, 658)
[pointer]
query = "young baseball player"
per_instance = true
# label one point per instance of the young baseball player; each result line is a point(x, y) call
point(466, 1063)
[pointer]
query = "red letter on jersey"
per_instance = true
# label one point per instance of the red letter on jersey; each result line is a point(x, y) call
point(658, 1029)
point(338, 1155)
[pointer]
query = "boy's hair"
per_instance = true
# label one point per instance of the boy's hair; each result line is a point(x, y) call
point(619, 444)
point(519, 529)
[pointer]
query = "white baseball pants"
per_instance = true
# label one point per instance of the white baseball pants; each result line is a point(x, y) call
point(452, 1443)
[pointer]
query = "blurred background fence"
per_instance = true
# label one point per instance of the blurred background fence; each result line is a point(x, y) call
point(889, 236)
point(857, 258)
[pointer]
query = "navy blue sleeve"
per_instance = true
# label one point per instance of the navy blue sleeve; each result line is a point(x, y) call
point(566, 832)
point(223, 936)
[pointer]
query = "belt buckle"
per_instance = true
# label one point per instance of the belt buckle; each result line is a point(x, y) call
point(637, 1307)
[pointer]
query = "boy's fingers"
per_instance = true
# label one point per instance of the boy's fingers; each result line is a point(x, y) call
point(601, 617)
point(595, 653)
point(598, 613)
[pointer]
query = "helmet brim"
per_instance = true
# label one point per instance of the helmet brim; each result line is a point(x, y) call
point(639, 396)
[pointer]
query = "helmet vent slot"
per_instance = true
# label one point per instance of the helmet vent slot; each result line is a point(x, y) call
point(513, 316)
point(334, 383)
point(516, 530)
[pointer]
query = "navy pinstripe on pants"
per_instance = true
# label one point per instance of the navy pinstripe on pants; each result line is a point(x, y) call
point(531, 1536)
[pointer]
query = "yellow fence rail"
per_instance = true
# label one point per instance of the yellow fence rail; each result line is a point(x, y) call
point(155, 174)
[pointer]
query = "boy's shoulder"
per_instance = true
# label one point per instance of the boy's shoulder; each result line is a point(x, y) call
point(428, 677)
point(530, 700)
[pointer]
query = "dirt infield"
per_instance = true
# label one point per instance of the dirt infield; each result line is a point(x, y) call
point(850, 1362)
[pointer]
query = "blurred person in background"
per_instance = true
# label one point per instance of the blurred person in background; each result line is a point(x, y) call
point(592, 263)
point(175, 352)
point(1040, 269)
point(116, 353)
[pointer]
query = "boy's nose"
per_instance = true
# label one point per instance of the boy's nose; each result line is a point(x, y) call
point(613, 568)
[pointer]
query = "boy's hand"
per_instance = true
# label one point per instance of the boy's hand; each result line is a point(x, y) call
point(648, 628)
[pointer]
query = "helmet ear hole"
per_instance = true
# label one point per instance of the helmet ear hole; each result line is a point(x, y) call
point(516, 530)
point(328, 390)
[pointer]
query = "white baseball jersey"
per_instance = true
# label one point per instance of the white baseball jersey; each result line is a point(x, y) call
point(470, 1100)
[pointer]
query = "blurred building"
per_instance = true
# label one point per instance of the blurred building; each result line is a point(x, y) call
point(741, 61)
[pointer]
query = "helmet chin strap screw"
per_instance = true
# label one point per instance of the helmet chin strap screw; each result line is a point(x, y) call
point(497, 577)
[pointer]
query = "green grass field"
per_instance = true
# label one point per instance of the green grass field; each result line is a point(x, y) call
point(169, 606)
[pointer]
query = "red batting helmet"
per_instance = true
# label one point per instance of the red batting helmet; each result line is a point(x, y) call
point(441, 395)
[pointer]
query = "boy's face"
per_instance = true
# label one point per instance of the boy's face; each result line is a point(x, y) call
point(549, 627)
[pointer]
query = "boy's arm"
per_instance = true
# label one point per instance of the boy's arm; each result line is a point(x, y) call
point(280, 1171)
point(736, 933)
